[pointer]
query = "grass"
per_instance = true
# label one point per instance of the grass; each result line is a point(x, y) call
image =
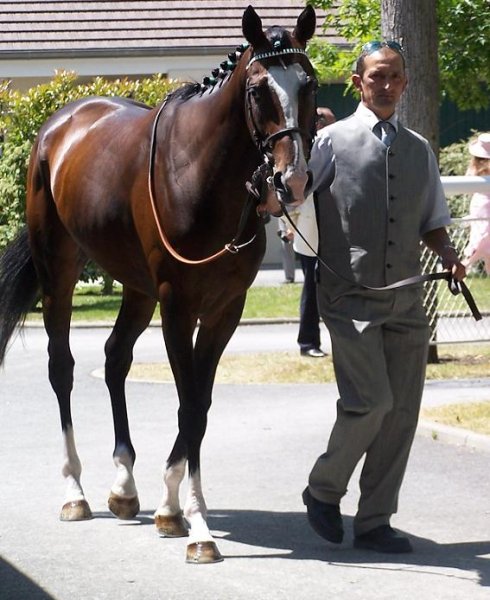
point(262, 302)
point(474, 416)
point(456, 362)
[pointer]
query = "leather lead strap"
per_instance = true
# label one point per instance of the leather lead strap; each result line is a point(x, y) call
point(454, 286)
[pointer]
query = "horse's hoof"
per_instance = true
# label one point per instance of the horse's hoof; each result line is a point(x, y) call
point(78, 510)
point(203, 553)
point(171, 526)
point(123, 508)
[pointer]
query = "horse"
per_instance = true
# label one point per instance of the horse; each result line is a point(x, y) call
point(170, 202)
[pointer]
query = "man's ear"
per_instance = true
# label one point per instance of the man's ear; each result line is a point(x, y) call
point(356, 80)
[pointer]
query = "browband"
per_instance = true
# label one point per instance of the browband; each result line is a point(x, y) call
point(275, 53)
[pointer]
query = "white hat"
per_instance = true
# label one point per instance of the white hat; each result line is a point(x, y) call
point(481, 147)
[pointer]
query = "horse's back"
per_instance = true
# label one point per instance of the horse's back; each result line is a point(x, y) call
point(77, 119)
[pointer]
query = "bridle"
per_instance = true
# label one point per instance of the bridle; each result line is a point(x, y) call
point(265, 144)
point(256, 187)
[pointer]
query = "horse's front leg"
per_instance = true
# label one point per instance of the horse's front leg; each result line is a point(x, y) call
point(134, 315)
point(194, 372)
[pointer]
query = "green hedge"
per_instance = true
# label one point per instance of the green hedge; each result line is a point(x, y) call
point(22, 115)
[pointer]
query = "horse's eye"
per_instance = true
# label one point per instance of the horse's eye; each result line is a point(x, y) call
point(254, 92)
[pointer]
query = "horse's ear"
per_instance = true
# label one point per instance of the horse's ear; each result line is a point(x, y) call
point(252, 28)
point(305, 27)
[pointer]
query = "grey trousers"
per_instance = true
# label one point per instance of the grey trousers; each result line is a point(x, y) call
point(379, 349)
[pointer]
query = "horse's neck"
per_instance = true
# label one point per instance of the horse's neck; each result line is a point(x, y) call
point(218, 125)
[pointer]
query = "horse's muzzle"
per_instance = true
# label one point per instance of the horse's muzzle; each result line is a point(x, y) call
point(290, 189)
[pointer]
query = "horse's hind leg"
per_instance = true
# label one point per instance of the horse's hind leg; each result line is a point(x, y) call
point(59, 270)
point(134, 316)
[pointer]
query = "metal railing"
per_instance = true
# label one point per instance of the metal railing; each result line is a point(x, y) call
point(449, 316)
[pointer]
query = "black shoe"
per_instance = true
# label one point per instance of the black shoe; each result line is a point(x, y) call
point(313, 353)
point(325, 519)
point(383, 539)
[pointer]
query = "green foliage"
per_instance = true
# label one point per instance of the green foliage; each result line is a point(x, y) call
point(357, 21)
point(464, 45)
point(22, 115)
point(464, 48)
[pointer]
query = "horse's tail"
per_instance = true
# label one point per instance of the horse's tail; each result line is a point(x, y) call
point(19, 287)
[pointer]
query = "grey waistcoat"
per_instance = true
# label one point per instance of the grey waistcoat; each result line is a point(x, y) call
point(369, 217)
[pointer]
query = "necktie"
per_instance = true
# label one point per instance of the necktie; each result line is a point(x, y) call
point(386, 132)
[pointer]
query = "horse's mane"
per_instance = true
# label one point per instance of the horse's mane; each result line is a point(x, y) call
point(278, 37)
point(218, 75)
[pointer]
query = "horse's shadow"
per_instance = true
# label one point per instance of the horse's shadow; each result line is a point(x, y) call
point(289, 536)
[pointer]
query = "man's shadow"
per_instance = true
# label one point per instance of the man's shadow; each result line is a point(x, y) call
point(291, 533)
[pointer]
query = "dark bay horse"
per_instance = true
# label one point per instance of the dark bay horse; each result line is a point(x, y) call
point(157, 198)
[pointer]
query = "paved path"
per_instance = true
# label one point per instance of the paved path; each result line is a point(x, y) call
point(260, 445)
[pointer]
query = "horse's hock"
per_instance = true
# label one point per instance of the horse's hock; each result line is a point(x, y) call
point(449, 316)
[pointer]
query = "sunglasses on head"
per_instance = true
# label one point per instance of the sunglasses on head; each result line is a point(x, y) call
point(376, 45)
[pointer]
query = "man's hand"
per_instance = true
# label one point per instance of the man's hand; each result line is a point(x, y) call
point(438, 241)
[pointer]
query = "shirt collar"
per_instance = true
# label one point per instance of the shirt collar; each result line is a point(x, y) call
point(370, 119)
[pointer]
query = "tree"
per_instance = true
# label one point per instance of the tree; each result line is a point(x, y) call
point(414, 24)
point(463, 35)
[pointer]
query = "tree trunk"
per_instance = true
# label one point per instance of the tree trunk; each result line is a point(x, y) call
point(413, 23)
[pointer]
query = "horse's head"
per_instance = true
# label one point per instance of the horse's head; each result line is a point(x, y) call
point(281, 103)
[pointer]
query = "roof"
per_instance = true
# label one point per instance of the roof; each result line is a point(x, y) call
point(155, 26)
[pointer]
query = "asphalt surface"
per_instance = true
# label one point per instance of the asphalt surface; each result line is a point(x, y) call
point(260, 445)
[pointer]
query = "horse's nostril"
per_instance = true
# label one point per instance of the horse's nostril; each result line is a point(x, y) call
point(279, 181)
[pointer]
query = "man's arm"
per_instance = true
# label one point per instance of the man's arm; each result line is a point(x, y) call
point(438, 241)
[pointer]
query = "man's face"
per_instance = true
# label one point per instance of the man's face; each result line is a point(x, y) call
point(382, 82)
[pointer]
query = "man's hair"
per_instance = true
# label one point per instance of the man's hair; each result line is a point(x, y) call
point(375, 46)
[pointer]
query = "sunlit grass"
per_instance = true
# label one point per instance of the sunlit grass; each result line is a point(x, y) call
point(474, 416)
point(265, 302)
point(456, 362)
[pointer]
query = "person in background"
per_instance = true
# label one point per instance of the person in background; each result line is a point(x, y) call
point(378, 194)
point(478, 247)
point(288, 258)
point(309, 323)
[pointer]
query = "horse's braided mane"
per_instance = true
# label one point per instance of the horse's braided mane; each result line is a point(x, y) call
point(188, 90)
point(278, 37)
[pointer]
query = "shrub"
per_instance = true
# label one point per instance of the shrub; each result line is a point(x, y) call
point(22, 115)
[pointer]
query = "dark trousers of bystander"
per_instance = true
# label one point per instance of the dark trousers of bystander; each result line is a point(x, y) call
point(309, 326)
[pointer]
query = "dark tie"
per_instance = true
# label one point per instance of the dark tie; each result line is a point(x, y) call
point(385, 131)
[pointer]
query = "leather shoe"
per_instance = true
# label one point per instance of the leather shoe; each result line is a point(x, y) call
point(313, 353)
point(325, 519)
point(383, 539)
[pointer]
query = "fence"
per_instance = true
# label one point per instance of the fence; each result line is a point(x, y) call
point(450, 318)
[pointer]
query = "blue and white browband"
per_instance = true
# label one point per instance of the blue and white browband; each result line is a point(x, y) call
point(275, 53)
